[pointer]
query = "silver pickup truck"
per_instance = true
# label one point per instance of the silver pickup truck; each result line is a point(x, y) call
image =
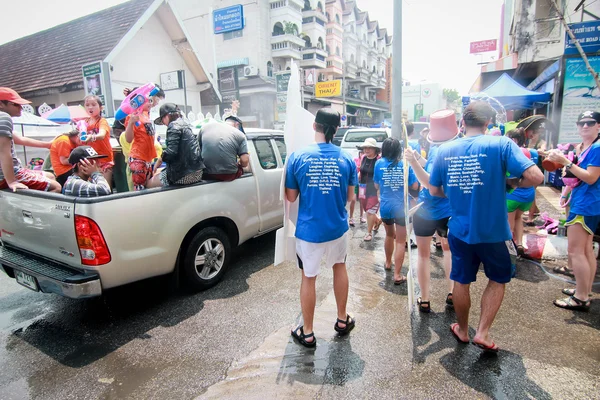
point(80, 247)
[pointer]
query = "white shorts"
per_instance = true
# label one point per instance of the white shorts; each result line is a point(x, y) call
point(309, 255)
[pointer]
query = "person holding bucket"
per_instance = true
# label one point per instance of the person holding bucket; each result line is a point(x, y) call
point(584, 216)
point(434, 214)
point(367, 193)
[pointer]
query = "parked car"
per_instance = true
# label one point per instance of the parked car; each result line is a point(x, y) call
point(355, 137)
point(80, 247)
point(339, 134)
point(419, 126)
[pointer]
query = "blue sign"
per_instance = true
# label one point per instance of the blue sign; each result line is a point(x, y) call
point(228, 19)
point(588, 36)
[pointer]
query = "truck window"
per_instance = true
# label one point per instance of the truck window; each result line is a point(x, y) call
point(282, 149)
point(265, 153)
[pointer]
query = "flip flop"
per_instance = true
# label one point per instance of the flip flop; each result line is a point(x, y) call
point(400, 281)
point(351, 222)
point(302, 337)
point(452, 329)
point(368, 238)
point(489, 349)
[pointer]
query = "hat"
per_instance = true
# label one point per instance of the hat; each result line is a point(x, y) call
point(327, 116)
point(165, 109)
point(536, 122)
point(442, 127)
point(589, 114)
point(369, 142)
point(239, 121)
point(7, 94)
point(83, 153)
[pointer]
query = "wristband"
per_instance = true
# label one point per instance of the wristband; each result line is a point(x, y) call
point(568, 166)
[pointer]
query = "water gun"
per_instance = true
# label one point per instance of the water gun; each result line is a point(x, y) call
point(136, 99)
point(82, 128)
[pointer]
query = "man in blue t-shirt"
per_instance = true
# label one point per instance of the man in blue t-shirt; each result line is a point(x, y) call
point(324, 177)
point(471, 172)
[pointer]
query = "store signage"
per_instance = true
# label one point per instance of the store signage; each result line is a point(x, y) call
point(328, 89)
point(96, 82)
point(228, 19)
point(283, 80)
point(171, 80)
point(483, 46)
point(227, 79)
point(588, 36)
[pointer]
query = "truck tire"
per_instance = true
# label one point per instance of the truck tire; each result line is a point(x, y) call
point(206, 258)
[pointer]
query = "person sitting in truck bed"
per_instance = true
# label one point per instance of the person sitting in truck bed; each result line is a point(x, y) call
point(87, 179)
point(182, 155)
point(60, 150)
point(222, 145)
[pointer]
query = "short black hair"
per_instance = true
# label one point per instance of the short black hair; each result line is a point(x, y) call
point(391, 149)
point(518, 134)
point(410, 128)
point(478, 114)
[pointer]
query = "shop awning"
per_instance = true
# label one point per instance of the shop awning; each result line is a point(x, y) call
point(548, 74)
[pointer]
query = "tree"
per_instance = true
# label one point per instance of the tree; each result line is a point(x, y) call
point(452, 97)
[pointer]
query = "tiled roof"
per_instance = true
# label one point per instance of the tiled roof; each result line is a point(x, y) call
point(372, 26)
point(53, 58)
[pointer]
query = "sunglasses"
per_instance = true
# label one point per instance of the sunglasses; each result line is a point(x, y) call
point(586, 123)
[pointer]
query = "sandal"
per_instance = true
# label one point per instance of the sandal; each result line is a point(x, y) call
point(520, 250)
point(301, 337)
point(571, 292)
point(351, 222)
point(350, 323)
point(368, 238)
point(424, 306)
point(400, 281)
point(453, 330)
point(573, 303)
point(377, 225)
point(489, 349)
point(563, 270)
point(363, 220)
point(449, 300)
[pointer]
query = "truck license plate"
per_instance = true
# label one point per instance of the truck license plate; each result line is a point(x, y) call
point(26, 280)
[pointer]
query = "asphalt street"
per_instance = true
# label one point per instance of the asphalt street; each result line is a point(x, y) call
point(232, 341)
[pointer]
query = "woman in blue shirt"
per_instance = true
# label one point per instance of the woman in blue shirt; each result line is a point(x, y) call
point(389, 182)
point(584, 216)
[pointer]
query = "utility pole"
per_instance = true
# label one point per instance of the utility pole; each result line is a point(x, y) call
point(344, 91)
point(397, 72)
point(576, 42)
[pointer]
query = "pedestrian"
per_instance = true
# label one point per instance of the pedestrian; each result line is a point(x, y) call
point(98, 135)
point(389, 182)
point(357, 161)
point(520, 200)
point(87, 179)
point(182, 155)
point(471, 172)
point(324, 177)
point(12, 174)
point(367, 193)
point(60, 150)
point(224, 151)
point(236, 123)
point(141, 134)
point(433, 215)
point(584, 216)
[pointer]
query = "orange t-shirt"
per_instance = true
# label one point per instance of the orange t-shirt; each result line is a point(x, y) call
point(102, 146)
point(142, 147)
point(61, 146)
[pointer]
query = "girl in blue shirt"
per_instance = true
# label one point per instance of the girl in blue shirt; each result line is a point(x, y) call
point(389, 182)
point(584, 216)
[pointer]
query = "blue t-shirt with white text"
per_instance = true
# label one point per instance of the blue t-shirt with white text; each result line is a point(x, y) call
point(585, 199)
point(390, 179)
point(472, 172)
point(321, 173)
point(434, 208)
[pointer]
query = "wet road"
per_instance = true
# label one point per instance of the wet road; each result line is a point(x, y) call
point(233, 341)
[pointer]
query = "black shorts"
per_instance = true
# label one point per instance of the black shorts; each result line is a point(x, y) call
point(392, 221)
point(427, 227)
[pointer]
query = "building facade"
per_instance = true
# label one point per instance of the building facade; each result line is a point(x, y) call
point(328, 39)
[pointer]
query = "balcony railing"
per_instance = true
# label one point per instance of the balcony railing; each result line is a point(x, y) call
point(313, 57)
point(287, 46)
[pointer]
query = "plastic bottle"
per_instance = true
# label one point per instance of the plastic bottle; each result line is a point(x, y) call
point(82, 128)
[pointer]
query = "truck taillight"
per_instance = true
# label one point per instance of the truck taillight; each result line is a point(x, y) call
point(90, 240)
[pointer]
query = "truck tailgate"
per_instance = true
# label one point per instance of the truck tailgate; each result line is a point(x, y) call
point(41, 223)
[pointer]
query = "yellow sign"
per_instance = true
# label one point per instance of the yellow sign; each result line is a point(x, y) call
point(328, 89)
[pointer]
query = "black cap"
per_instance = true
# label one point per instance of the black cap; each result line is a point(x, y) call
point(327, 116)
point(239, 121)
point(589, 114)
point(83, 152)
point(167, 108)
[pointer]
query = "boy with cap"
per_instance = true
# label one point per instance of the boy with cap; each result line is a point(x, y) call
point(471, 172)
point(324, 177)
point(87, 179)
point(12, 174)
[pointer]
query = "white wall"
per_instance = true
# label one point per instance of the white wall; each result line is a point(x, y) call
point(144, 58)
point(410, 97)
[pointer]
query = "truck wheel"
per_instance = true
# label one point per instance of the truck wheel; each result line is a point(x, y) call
point(206, 258)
